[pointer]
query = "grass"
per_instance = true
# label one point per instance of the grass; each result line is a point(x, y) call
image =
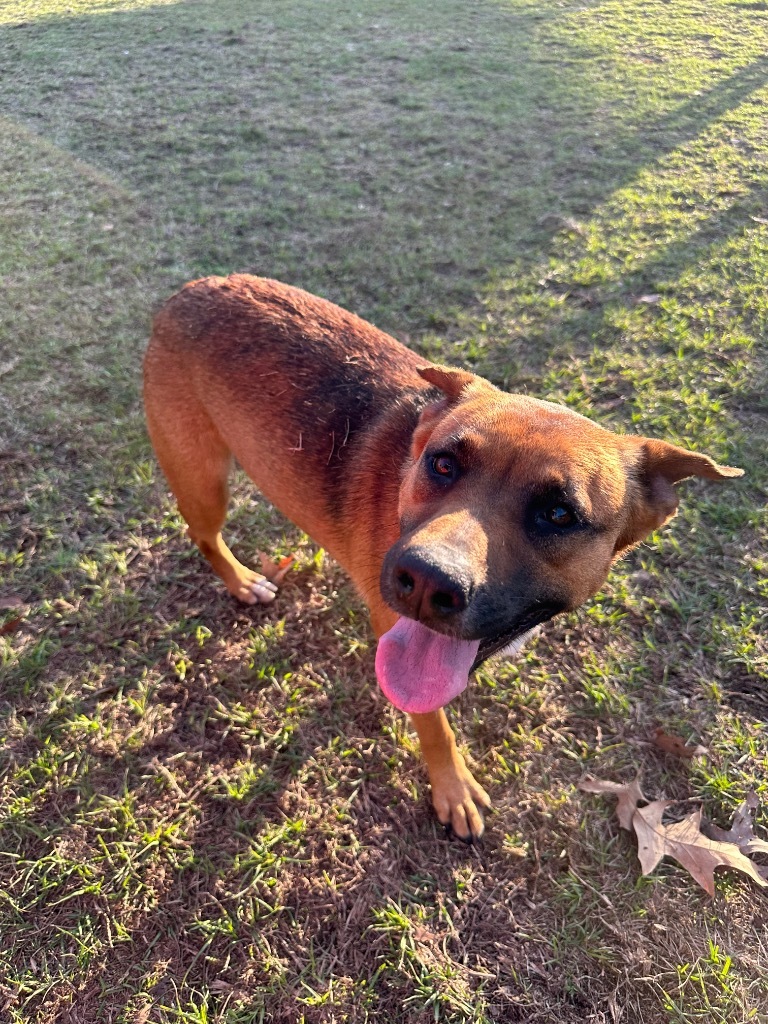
point(207, 813)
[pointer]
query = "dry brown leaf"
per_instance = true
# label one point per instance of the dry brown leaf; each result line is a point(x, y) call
point(672, 744)
point(685, 843)
point(276, 571)
point(11, 601)
point(629, 794)
point(10, 626)
point(141, 1014)
point(682, 840)
point(220, 986)
point(742, 831)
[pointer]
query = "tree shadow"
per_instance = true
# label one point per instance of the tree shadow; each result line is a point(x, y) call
point(355, 155)
point(182, 876)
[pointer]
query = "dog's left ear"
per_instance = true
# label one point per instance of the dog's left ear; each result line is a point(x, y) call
point(452, 382)
point(659, 466)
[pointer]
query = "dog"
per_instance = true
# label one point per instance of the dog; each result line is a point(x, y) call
point(465, 516)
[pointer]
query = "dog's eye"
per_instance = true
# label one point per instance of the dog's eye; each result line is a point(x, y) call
point(550, 517)
point(560, 516)
point(443, 465)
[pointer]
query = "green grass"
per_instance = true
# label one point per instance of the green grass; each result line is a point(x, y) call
point(207, 813)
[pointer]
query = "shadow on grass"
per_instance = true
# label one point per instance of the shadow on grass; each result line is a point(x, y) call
point(349, 151)
point(176, 826)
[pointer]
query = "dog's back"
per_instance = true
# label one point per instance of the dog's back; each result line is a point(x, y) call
point(286, 382)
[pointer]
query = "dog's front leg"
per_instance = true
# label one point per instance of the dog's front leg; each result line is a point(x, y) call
point(458, 799)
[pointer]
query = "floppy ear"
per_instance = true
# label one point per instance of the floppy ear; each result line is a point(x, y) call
point(451, 381)
point(661, 465)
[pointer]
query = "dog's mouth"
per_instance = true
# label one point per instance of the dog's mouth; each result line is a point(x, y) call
point(420, 670)
point(511, 641)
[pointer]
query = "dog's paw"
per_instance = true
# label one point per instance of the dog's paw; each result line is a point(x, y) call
point(263, 590)
point(459, 802)
point(253, 588)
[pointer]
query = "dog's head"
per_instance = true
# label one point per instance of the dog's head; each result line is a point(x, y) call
point(511, 511)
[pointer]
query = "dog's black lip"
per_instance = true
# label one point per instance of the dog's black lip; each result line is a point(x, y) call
point(533, 617)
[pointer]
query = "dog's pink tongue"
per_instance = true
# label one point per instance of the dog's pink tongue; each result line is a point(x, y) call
point(421, 671)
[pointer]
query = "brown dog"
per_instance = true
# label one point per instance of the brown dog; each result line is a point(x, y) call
point(465, 516)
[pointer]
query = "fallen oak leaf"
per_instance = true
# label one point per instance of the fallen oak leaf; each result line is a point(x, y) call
point(650, 827)
point(683, 840)
point(677, 746)
point(758, 846)
point(685, 843)
point(742, 831)
point(629, 795)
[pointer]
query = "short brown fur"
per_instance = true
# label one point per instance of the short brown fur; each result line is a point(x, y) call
point(337, 424)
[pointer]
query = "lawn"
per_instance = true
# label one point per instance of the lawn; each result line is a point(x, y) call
point(209, 813)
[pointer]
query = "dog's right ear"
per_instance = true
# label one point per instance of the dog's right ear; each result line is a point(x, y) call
point(452, 382)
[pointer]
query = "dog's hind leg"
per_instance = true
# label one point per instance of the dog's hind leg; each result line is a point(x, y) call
point(196, 462)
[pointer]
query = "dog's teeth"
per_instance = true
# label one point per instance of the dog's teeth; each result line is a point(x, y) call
point(512, 649)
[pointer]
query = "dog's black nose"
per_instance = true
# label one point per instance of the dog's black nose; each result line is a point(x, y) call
point(428, 590)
